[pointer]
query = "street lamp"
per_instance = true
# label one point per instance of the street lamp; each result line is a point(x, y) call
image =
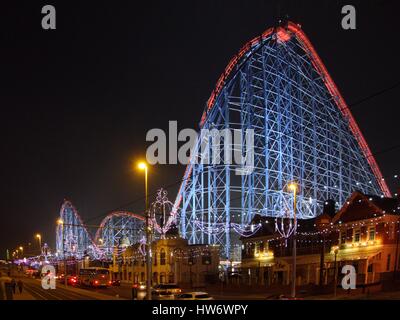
point(143, 166)
point(335, 251)
point(22, 251)
point(60, 222)
point(293, 187)
point(39, 237)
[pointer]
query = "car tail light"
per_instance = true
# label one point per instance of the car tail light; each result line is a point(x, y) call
point(96, 282)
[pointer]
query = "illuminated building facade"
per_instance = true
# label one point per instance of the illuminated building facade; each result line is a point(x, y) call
point(364, 233)
point(174, 261)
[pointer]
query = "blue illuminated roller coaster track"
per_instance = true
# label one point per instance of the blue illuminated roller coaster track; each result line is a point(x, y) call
point(303, 131)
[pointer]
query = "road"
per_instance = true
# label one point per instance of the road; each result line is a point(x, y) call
point(33, 286)
point(119, 291)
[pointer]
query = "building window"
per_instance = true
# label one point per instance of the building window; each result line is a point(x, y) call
point(391, 231)
point(155, 278)
point(248, 249)
point(155, 257)
point(388, 262)
point(162, 257)
point(256, 248)
point(162, 277)
point(191, 258)
point(371, 233)
point(171, 277)
point(343, 235)
point(206, 258)
point(370, 268)
point(357, 235)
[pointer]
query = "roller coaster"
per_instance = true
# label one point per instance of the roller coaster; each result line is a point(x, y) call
point(304, 132)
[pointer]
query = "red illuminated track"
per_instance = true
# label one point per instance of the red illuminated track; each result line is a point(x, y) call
point(285, 34)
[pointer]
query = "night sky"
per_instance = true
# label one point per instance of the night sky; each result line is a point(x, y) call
point(77, 101)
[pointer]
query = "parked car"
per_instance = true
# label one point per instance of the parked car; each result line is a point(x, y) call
point(194, 296)
point(165, 291)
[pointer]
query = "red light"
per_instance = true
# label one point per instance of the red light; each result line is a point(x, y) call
point(96, 282)
point(282, 35)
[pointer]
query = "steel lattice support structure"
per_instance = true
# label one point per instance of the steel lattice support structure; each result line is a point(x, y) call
point(72, 238)
point(303, 132)
point(117, 229)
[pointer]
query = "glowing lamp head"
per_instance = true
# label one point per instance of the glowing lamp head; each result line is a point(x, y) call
point(142, 166)
point(38, 236)
point(292, 186)
point(335, 249)
point(60, 221)
point(21, 248)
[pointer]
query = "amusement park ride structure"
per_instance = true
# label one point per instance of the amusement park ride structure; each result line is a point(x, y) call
point(304, 132)
point(118, 230)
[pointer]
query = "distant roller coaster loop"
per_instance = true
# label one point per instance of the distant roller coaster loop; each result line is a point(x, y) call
point(117, 229)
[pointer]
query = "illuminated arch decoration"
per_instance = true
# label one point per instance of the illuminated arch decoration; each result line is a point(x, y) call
point(304, 132)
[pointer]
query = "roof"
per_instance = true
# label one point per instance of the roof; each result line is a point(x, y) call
point(361, 206)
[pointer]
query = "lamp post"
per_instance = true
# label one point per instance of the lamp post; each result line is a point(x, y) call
point(293, 187)
point(22, 251)
point(336, 250)
point(60, 222)
point(39, 237)
point(143, 166)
